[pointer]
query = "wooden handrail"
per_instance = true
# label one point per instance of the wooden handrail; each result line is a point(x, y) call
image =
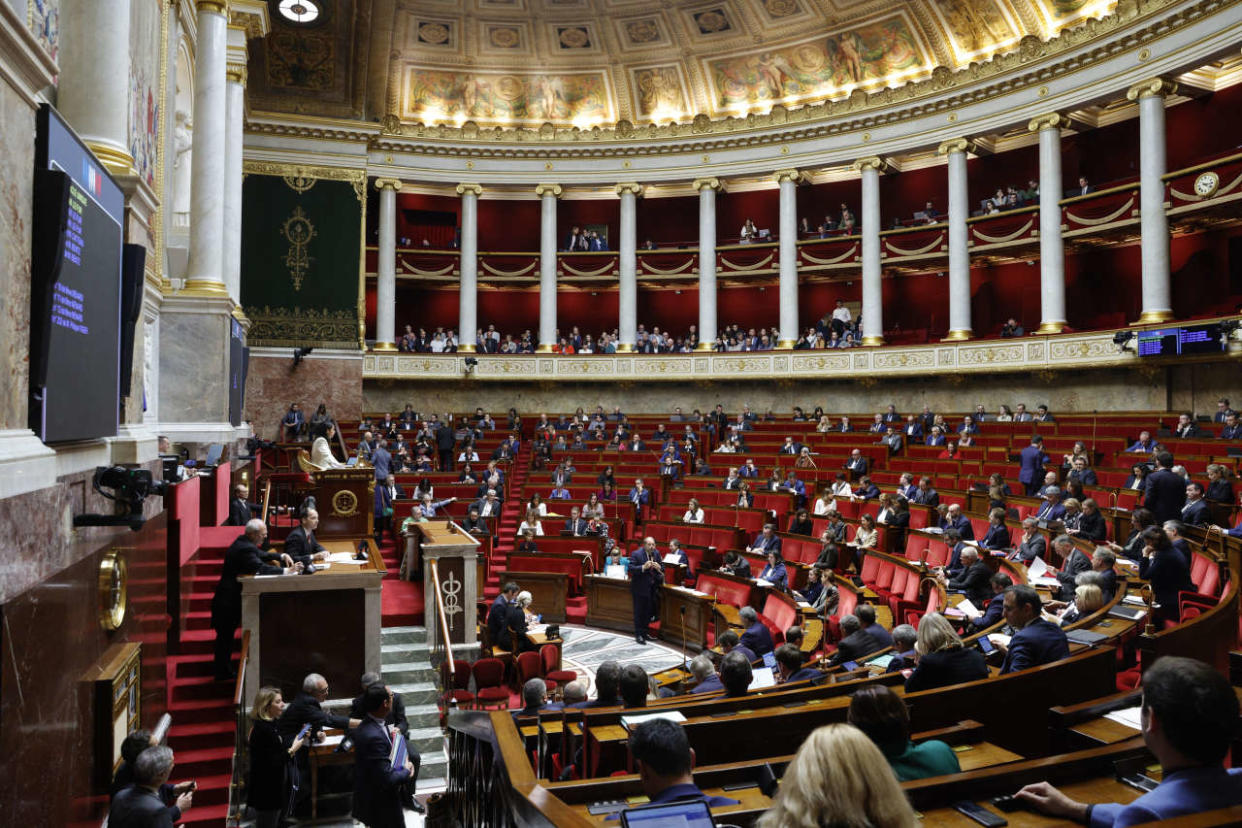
point(443, 622)
point(240, 685)
point(267, 497)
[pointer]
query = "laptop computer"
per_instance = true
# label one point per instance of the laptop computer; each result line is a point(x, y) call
point(690, 814)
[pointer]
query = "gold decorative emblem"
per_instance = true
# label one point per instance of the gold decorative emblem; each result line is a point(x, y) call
point(781, 8)
point(298, 182)
point(1207, 184)
point(712, 22)
point(574, 37)
point(643, 31)
point(344, 503)
point(504, 37)
point(433, 33)
point(451, 588)
point(113, 590)
point(298, 231)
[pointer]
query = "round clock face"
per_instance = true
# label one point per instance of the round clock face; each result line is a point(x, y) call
point(113, 589)
point(1206, 184)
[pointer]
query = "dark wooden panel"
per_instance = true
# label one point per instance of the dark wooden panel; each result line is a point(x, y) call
point(313, 632)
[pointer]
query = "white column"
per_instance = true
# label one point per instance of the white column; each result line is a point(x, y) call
point(707, 188)
point(386, 269)
point(872, 286)
point(468, 308)
point(788, 247)
point(627, 297)
point(959, 251)
point(548, 193)
point(1157, 294)
point(93, 90)
point(205, 272)
point(235, 105)
point(1051, 245)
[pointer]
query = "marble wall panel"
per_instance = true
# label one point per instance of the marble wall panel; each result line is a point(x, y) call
point(17, 123)
point(194, 367)
point(273, 383)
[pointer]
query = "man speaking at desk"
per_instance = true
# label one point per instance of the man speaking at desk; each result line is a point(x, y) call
point(300, 544)
point(244, 557)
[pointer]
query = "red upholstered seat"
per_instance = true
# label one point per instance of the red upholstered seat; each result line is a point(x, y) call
point(489, 675)
point(1205, 574)
point(548, 656)
point(529, 666)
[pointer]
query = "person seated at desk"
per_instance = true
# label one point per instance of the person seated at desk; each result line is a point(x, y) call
point(735, 674)
point(634, 686)
point(694, 512)
point(321, 450)
point(680, 556)
point(814, 586)
point(855, 644)
point(866, 617)
point(789, 665)
point(1087, 599)
point(813, 793)
point(1036, 641)
point(176, 798)
point(973, 580)
point(995, 608)
point(942, 657)
point(704, 675)
point(532, 523)
point(997, 538)
point(866, 535)
point(665, 761)
point(954, 519)
point(881, 714)
point(1033, 544)
point(427, 507)
point(1186, 705)
point(745, 497)
point(573, 694)
point(575, 525)
point(730, 641)
point(766, 541)
point(905, 637)
point(735, 564)
point(535, 699)
point(866, 489)
point(755, 637)
point(607, 685)
point(241, 510)
point(527, 545)
point(473, 524)
point(775, 572)
point(513, 636)
point(1166, 570)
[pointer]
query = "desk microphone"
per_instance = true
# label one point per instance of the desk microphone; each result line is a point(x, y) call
point(682, 609)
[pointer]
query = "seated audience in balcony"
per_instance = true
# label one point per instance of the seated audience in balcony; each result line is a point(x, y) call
point(748, 232)
point(1083, 188)
point(930, 216)
point(1036, 641)
point(1184, 703)
point(942, 658)
point(881, 714)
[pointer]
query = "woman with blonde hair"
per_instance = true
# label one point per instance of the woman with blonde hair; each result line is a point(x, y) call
point(942, 657)
point(840, 778)
point(272, 771)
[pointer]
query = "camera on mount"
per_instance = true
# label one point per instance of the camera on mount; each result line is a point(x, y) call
point(126, 486)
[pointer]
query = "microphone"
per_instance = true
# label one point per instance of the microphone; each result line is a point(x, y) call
point(682, 609)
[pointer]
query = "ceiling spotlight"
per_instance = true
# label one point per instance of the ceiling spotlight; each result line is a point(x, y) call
point(299, 11)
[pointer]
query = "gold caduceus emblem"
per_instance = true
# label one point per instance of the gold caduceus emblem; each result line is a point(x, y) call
point(344, 503)
point(452, 604)
point(298, 231)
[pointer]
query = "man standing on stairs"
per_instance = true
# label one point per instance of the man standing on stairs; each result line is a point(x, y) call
point(244, 557)
point(646, 575)
point(395, 718)
point(444, 444)
point(377, 782)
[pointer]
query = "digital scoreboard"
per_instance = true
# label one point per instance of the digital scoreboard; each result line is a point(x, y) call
point(1189, 339)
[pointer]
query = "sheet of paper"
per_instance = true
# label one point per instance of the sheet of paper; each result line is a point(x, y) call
point(999, 639)
point(762, 583)
point(631, 722)
point(762, 677)
point(615, 571)
point(670, 558)
point(1134, 600)
point(333, 740)
point(345, 558)
point(967, 608)
point(1036, 568)
point(1128, 716)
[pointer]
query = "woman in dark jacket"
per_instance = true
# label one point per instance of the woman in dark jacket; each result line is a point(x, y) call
point(943, 660)
point(1091, 524)
point(273, 773)
point(998, 536)
point(1140, 519)
point(1166, 570)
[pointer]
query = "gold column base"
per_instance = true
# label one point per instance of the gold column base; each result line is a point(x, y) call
point(625, 348)
point(706, 346)
point(543, 349)
point(386, 347)
point(786, 344)
point(467, 349)
point(1051, 328)
point(872, 341)
point(206, 288)
point(114, 160)
point(1149, 317)
point(959, 335)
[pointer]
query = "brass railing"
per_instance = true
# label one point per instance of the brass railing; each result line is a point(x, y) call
point(237, 793)
point(442, 648)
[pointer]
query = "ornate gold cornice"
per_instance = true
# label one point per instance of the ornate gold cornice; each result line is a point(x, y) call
point(388, 184)
point(708, 184)
point(235, 72)
point(632, 187)
point(1051, 120)
point(1151, 88)
point(254, 21)
point(473, 189)
point(358, 178)
point(542, 190)
point(955, 145)
point(873, 162)
point(214, 6)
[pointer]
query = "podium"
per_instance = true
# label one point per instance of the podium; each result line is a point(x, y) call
point(345, 499)
point(455, 554)
point(328, 622)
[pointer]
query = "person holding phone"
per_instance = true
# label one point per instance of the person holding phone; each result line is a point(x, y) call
point(273, 773)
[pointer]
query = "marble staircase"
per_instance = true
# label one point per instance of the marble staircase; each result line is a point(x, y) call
point(407, 670)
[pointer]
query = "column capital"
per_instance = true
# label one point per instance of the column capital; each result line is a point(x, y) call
point(473, 189)
point(629, 187)
point(214, 6)
point(708, 184)
point(955, 145)
point(1049, 120)
point(1151, 88)
point(542, 190)
point(392, 184)
point(873, 162)
point(796, 176)
point(235, 73)
point(251, 16)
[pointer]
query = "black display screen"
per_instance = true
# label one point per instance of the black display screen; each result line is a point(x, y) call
point(1192, 339)
point(75, 289)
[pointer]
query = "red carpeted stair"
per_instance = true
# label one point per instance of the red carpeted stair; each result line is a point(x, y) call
point(511, 515)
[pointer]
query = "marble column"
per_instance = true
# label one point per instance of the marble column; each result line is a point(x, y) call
point(386, 268)
point(205, 272)
point(1051, 245)
point(872, 273)
point(235, 106)
point(959, 251)
point(788, 249)
point(468, 303)
point(627, 298)
point(707, 188)
point(548, 193)
point(93, 90)
point(1157, 294)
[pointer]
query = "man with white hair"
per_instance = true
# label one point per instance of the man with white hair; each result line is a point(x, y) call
point(139, 805)
point(244, 557)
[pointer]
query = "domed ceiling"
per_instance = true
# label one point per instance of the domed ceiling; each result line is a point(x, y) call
point(524, 63)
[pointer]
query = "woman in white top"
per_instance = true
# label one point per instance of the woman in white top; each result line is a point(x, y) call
point(825, 424)
point(593, 508)
point(468, 456)
point(537, 505)
point(321, 450)
point(749, 231)
point(825, 503)
point(532, 523)
point(694, 514)
point(886, 509)
point(867, 534)
point(840, 487)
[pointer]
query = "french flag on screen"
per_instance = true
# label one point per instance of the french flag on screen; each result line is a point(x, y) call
point(93, 178)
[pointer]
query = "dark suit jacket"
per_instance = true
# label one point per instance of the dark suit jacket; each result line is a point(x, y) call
point(757, 639)
point(854, 646)
point(396, 716)
point(805, 674)
point(858, 466)
point(963, 526)
point(305, 709)
point(1092, 527)
point(496, 619)
point(1164, 495)
point(1168, 573)
point(269, 782)
point(1076, 563)
point(242, 558)
point(946, 667)
point(301, 545)
point(991, 614)
point(641, 579)
point(1033, 459)
point(998, 537)
point(377, 793)
point(1036, 547)
point(240, 511)
point(577, 527)
point(136, 807)
point(708, 685)
point(974, 581)
point(928, 497)
point(1197, 513)
point(1039, 642)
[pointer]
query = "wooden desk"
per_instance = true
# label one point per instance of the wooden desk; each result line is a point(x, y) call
point(609, 603)
point(983, 755)
point(547, 591)
point(684, 612)
point(327, 622)
point(539, 639)
point(455, 554)
point(1101, 790)
point(322, 756)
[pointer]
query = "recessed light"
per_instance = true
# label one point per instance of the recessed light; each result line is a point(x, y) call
point(299, 11)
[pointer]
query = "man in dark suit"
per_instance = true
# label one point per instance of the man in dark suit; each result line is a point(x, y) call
point(995, 608)
point(756, 637)
point(664, 761)
point(1196, 511)
point(855, 644)
point(241, 510)
point(500, 606)
point(1165, 492)
point(575, 526)
point(1186, 428)
point(866, 489)
point(954, 519)
point(1232, 429)
point(789, 665)
point(1031, 471)
point(913, 429)
point(306, 709)
point(857, 464)
point(244, 557)
point(925, 494)
point(396, 715)
point(1073, 562)
point(377, 784)
point(1032, 545)
point(1052, 508)
point(445, 440)
point(646, 574)
point(866, 617)
point(1036, 641)
point(386, 492)
point(1081, 473)
point(974, 580)
point(475, 525)
point(766, 541)
point(139, 805)
point(294, 423)
point(300, 544)
point(381, 460)
point(704, 674)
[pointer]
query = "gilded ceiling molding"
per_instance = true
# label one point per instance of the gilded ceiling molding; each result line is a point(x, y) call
point(1151, 88)
point(629, 187)
point(796, 176)
point(543, 189)
point(358, 178)
point(1053, 120)
point(216, 6)
point(872, 163)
